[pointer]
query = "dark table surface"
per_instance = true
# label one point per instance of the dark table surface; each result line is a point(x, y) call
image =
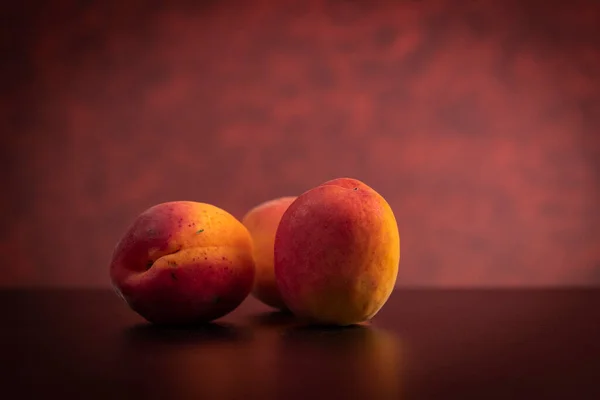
point(424, 344)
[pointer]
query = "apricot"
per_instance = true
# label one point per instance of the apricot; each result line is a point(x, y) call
point(183, 262)
point(262, 221)
point(336, 253)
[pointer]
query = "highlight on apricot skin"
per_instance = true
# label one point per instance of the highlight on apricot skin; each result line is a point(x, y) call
point(183, 262)
point(262, 221)
point(336, 253)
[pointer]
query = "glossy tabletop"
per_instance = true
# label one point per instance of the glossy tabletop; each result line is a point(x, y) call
point(424, 344)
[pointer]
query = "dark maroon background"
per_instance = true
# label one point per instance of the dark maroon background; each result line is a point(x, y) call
point(477, 120)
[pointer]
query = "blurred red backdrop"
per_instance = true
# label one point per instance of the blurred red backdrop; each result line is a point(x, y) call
point(477, 120)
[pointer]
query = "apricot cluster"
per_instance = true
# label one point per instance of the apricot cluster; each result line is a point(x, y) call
point(330, 256)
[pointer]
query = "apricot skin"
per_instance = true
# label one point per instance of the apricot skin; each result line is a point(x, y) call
point(337, 250)
point(262, 222)
point(183, 262)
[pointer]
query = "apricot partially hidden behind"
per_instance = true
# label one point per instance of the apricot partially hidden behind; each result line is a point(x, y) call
point(262, 222)
point(183, 262)
point(337, 250)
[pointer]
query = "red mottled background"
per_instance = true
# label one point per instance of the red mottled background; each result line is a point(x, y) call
point(478, 120)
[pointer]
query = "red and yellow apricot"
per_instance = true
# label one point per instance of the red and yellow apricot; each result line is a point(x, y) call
point(336, 253)
point(183, 262)
point(262, 222)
